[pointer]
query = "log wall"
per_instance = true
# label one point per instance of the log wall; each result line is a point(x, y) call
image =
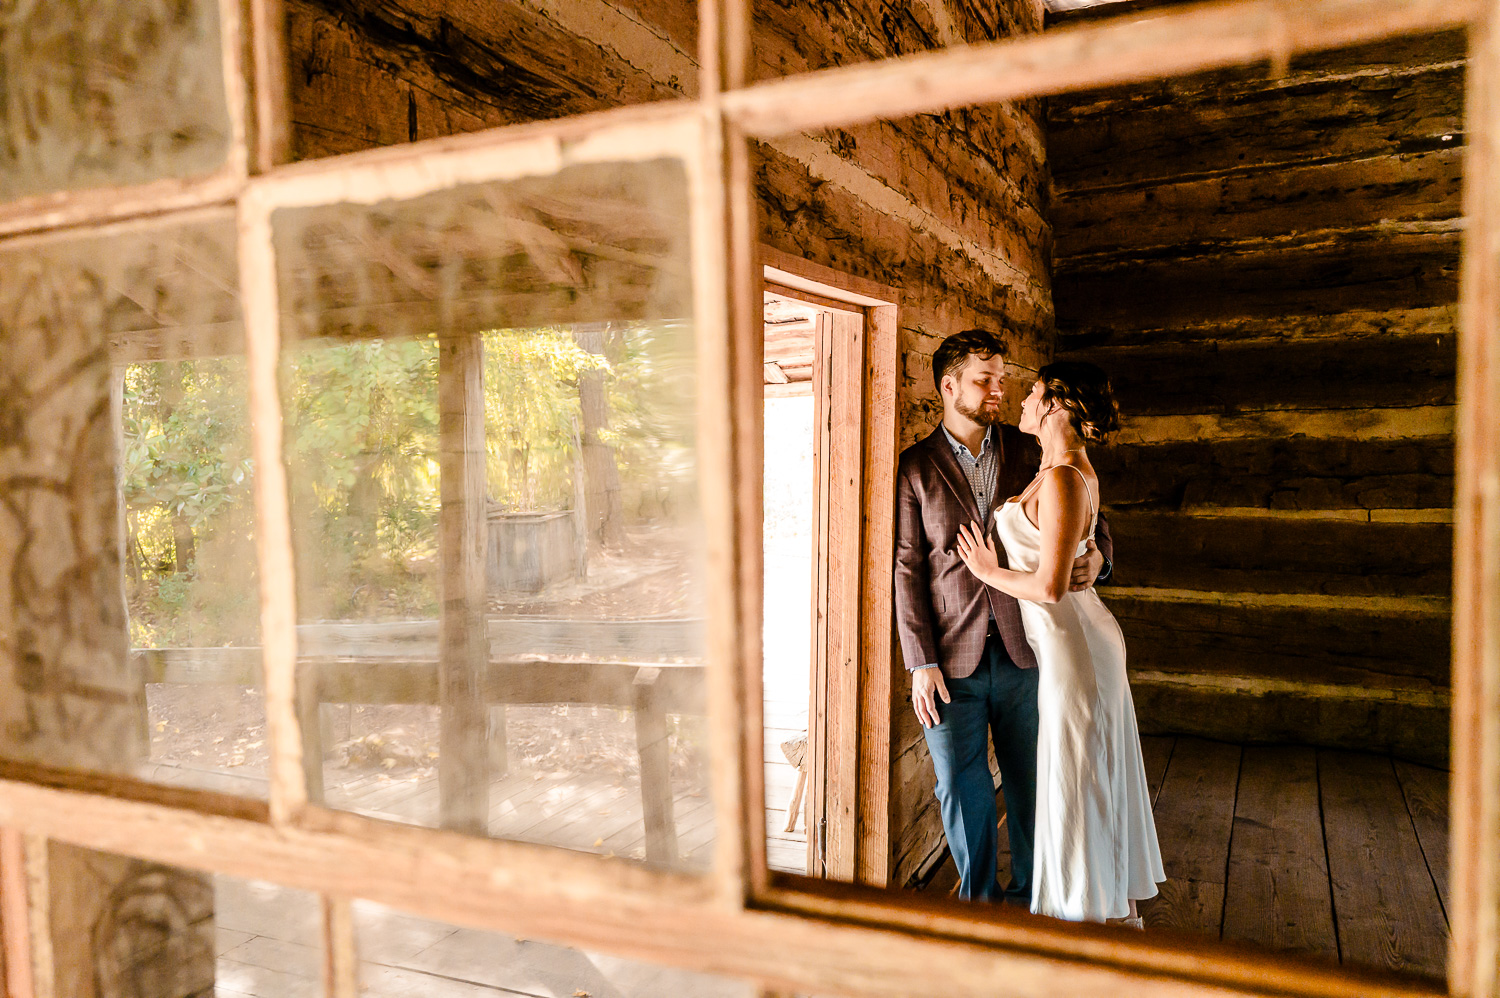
point(950, 210)
point(1267, 269)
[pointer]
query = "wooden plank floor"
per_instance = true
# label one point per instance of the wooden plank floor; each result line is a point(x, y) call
point(1333, 854)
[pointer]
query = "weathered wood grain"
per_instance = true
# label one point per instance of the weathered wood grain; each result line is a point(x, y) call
point(1426, 791)
point(1277, 894)
point(1194, 820)
point(1383, 895)
point(1243, 713)
point(1376, 648)
point(1433, 320)
point(1297, 473)
point(1210, 377)
point(463, 651)
point(1350, 270)
point(1255, 554)
point(1216, 211)
point(1266, 127)
point(1157, 751)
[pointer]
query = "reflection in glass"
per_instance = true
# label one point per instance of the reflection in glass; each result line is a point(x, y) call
point(126, 522)
point(119, 927)
point(100, 93)
point(489, 397)
point(404, 955)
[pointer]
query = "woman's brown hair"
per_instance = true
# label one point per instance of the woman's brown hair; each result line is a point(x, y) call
point(1083, 390)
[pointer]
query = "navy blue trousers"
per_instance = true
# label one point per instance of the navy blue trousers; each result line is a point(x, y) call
point(998, 701)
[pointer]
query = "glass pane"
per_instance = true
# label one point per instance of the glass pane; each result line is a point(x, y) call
point(100, 93)
point(387, 77)
point(120, 927)
point(403, 955)
point(787, 39)
point(1264, 264)
point(269, 940)
point(489, 406)
point(127, 530)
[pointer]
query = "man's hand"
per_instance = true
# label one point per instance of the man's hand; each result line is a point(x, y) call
point(924, 684)
point(1086, 568)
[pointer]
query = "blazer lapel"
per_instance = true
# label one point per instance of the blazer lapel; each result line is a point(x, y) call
point(953, 476)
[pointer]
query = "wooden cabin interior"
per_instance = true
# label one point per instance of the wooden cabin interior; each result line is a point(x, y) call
point(648, 733)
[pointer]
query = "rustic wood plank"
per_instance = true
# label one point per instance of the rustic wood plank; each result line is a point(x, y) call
point(655, 772)
point(1426, 792)
point(1233, 554)
point(1277, 893)
point(1259, 376)
point(1282, 474)
point(879, 669)
point(1474, 966)
point(647, 641)
point(1262, 377)
point(463, 755)
point(1157, 752)
point(1194, 820)
point(1313, 274)
point(1356, 324)
point(1265, 126)
point(1240, 710)
point(1383, 897)
point(1385, 647)
point(1213, 212)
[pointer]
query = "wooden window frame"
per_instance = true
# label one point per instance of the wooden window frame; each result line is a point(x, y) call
point(736, 920)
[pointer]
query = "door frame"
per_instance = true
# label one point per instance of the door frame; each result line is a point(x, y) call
point(852, 664)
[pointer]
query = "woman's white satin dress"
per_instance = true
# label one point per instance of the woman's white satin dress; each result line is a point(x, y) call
point(1096, 845)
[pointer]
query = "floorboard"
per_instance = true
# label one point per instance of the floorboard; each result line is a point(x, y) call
point(1157, 750)
point(1277, 892)
point(1383, 896)
point(1426, 791)
point(1194, 819)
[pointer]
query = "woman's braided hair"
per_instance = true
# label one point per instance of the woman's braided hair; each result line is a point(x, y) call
point(1083, 390)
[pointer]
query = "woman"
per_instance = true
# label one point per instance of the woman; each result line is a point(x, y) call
point(1096, 848)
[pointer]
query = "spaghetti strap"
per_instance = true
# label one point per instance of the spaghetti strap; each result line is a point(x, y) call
point(1093, 515)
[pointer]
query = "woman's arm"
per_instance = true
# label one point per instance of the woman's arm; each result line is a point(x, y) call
point(1062, 512)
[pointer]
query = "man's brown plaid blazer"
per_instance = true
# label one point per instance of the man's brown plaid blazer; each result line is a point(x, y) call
point(942, 610)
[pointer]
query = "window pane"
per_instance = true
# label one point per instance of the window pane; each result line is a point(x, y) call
point(126, 523)
point(120, 927)
point(100, 93)
point(489, 402)
point(403, 955)
point(400, 73)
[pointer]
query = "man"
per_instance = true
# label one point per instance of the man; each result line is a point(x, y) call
point(972, 672)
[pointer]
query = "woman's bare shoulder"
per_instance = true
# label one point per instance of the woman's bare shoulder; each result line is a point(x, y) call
point(1069, 483)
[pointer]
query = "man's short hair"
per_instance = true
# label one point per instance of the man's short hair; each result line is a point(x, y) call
point(952, 352)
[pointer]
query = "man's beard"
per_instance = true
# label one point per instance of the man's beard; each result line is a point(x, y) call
point(979, 414)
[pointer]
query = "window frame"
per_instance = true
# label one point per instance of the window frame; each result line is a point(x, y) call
point(823, 937)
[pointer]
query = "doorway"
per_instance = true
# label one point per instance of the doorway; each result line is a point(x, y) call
point(819, 372)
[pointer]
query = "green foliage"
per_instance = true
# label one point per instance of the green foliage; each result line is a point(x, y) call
point(186, 474)
point(362, 445)
point(361, 442)
point(532, 414)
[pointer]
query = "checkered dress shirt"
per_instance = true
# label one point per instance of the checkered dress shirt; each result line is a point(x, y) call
point(983, 472)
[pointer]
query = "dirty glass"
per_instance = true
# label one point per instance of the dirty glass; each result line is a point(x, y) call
point(98, 93)
point(386, 78)
point(489, 397)
point(121, 927)
point(131, 626)
point(402, 955)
